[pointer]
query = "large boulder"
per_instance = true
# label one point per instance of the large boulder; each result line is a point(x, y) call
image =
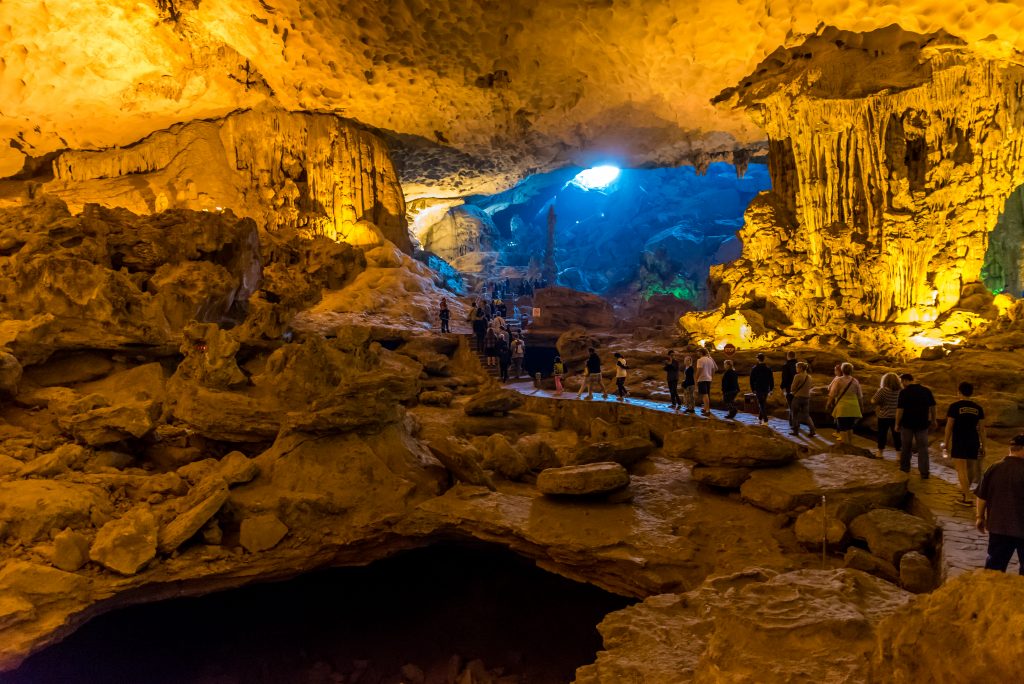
point(583, 480)
point(730, 446)
point(202, 503)
point(31, 508)
point(625, 451)
point(10, 375)
point(125, 545)
point(461, 459)
point(720, 477)
point(493, 401)
point(261, 532)
point(966, 631)
point(850, 484)
point(891, 533)
point(916, 572)
point(859, 559)
point(817, 525)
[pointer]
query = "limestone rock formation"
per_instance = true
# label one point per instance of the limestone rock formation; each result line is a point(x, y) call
point(963, 632)
point(730, 446)
point(787, 624)
point(891, 155)
point(494, 401)
point(313, 172)
point(890, 533)
point(583, 480)
point(624, 450)
point(849, 483)
point(126, 544)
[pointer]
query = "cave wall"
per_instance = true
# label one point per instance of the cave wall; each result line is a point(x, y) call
point(318, 173)
point(892, 156)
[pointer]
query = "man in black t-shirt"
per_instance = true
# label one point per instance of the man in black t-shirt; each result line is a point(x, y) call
point(915, 413)
point(1001, 508)
point(965, 439)
point(592, 375)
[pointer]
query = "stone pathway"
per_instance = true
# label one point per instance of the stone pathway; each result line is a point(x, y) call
point(963, 547)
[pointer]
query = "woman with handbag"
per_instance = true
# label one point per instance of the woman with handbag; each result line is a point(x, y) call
point(844, 403)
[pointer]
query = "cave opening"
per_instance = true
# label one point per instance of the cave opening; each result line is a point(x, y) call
point(640, 232)
point(1003, 269)
point(436, 609)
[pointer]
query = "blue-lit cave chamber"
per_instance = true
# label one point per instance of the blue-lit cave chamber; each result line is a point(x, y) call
point(634, 236)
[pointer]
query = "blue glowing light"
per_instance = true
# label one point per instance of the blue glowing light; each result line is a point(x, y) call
point(597, 177)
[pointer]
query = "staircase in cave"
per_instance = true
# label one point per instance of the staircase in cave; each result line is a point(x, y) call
point(490, 370)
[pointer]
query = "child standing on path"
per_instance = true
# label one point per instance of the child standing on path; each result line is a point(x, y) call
point(559, 371)
point(621, 370)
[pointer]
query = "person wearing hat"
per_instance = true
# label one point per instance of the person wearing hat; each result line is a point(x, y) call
point(1000, 508)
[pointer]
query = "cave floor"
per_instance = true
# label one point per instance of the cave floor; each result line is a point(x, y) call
point(963, 547)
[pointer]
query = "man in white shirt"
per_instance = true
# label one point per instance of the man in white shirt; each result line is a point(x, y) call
point(705, 372)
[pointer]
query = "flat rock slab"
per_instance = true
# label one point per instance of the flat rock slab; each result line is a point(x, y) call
point(582, 480)
point(721, 477)
point(784, 622)
point(851, 484)
point(491, 402)
point(730, 446)
point(890, 533)
point(625, 451)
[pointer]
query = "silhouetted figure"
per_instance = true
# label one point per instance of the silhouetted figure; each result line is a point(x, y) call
point(672, 380)
point(730, 388)
point(444, 314)
point(762, 384)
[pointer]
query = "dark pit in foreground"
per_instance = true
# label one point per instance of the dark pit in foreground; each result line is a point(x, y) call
point(427, 608)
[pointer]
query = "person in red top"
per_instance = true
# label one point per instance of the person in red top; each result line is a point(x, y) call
point(1000, 508)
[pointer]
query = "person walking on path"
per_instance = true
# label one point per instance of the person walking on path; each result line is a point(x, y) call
point(444, 314)
point(689, 384)
point(558, 370)
point(762, 384)
point(730, 388)
point(965, 439)
point(800, 405)
point(886, 399)
point(672, 379)
point(915, 414)
point(518, 354)
point(705, 372)
point(591, 375)
point(504, 358)
point(491, 347)
point(478, 318)
point(788, 373)
point(621, 371)
point(845, 400)
point(1000, 508)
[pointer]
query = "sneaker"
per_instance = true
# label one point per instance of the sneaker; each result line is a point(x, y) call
point(795, 433)
point(925, 476)
point(965, 502)
point(812, 433)
point(705, 413)
point(690, 410)
point(620, 398)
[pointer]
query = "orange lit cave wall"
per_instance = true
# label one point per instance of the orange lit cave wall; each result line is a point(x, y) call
point(892, 156)
point(318, 173)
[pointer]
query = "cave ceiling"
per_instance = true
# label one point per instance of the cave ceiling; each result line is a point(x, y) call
point(472, 94)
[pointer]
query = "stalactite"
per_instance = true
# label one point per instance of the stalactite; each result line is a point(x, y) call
point(893, 193)
point(314, 172)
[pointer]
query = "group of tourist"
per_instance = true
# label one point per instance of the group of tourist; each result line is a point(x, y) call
point(500, 346)
point(905, 409)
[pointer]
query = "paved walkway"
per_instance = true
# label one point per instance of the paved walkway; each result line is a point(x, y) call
point(963, 547)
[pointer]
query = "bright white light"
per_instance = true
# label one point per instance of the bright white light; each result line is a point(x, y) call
point(597, 177)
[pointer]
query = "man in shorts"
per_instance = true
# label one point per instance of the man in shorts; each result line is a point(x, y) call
point(1001, 508)
point(965, 440)
point(705, 372)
